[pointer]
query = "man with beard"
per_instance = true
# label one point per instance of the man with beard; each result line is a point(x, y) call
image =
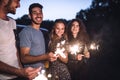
point(32, 44)
point(10, 68)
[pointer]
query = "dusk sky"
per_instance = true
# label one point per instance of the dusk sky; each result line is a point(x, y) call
point(53, 9)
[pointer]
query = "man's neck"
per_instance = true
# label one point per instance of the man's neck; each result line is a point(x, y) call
point(3, 15)
point(35, 26)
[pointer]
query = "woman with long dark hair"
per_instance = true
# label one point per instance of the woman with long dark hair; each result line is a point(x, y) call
point(78, 52)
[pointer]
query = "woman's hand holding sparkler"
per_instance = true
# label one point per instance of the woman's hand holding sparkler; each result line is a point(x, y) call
point(63, 57)
point(87, 55)
point(60, 52)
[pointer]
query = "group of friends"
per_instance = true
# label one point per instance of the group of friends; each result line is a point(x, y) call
point(25, 63)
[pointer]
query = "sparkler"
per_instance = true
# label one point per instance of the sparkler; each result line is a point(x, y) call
point(94, 46)
point(41, 76)
point(60, 49)
point(76, 48)
point(49, 76)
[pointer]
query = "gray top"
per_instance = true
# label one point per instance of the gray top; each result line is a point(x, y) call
point(32, 38)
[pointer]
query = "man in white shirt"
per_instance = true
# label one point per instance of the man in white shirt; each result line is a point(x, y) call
point(10, 67)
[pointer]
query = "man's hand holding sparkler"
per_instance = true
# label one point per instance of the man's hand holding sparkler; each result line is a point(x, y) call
point(52, 57)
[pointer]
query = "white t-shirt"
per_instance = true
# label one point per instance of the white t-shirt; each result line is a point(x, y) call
point(7, 46)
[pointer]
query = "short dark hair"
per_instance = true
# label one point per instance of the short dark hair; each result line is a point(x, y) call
point(34, 5)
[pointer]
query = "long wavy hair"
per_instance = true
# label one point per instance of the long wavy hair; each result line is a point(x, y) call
point(54, 39)
point(82, 34)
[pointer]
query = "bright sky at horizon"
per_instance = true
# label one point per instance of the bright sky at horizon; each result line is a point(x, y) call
point(54, 9)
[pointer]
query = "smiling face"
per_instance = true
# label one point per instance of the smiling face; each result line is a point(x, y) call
point(59, 29)
point(75, 28)
point(36, 15)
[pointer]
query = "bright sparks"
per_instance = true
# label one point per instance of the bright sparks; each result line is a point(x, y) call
point(60, 49)
point(41, 76)
point(74, 49)
point(94, 46)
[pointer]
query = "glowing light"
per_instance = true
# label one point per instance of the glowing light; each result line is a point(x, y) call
point(94, 46)
point(58, 45)
point(42, 71)
point(74, 49)
point(60, 52)
point(60, 49)
point(49, 75)
point(63, 42)
point(41, 76)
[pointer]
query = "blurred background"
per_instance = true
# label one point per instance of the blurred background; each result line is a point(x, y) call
point(102, 21)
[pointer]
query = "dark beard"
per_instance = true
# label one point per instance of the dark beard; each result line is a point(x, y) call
point(35, 22)
point(12, 12)
point(8, 9)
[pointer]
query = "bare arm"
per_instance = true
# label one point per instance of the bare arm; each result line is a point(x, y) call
point(5, 68)
point(24, 72)
point(18, 56)
point(86, 53)
point(27, 58)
